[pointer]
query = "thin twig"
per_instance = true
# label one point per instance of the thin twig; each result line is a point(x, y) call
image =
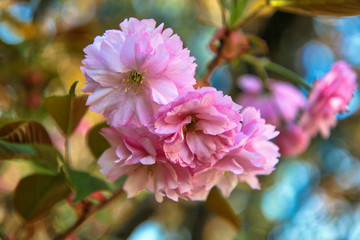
point(223, 14)
point(86, 215)
point(67, 152)
point(217, 61)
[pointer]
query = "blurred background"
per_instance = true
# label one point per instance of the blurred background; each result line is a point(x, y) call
point(313, 196)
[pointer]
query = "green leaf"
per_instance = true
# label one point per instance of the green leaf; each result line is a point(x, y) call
point(28, 140)
point(67, 111)
point(237, 12)
point(330, 8)
point(24, 132)
point(40, 154)
point(85, 184)
point(221, 207)
point(35, 195)
point(96, 142)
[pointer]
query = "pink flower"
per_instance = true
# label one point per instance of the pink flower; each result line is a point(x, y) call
point(253, 155)
point(281, 104)
point(329, 96)
point(292, 140)
point(198, 127)
point(132, 71)
point(137, 153)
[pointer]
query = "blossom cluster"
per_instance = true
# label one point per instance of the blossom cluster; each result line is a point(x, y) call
point(298, 118)
point(165, 135)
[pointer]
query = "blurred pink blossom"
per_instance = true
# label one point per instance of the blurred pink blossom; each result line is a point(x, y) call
point(292, 140)
point(199, 127)
point(329, 96)
point(280, 104)
point(132, 71)
point(253, 155)
point(136, 152)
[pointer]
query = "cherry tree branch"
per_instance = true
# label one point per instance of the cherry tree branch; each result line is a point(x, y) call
point(88, 211)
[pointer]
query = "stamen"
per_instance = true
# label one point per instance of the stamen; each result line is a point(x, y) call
point(133, 80)
point(192, 125)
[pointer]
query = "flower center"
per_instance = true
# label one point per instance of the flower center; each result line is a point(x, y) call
point(133, 81)
point(192, 125)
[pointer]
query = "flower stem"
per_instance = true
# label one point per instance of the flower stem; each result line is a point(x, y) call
point(275, 68)
point(259, 67)
point(290, 75)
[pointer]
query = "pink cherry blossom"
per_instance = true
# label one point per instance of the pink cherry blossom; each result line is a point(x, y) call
point(137, 153)
point(292, 140)
point(329, 96)
point(253, 155)
point(280, 104)
point(132, 71)
point(198, 127)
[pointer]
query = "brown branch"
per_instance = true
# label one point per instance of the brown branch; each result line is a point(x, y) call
point(217, 61)
point(87, 213)
point(228, 45)
point(220, 57)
